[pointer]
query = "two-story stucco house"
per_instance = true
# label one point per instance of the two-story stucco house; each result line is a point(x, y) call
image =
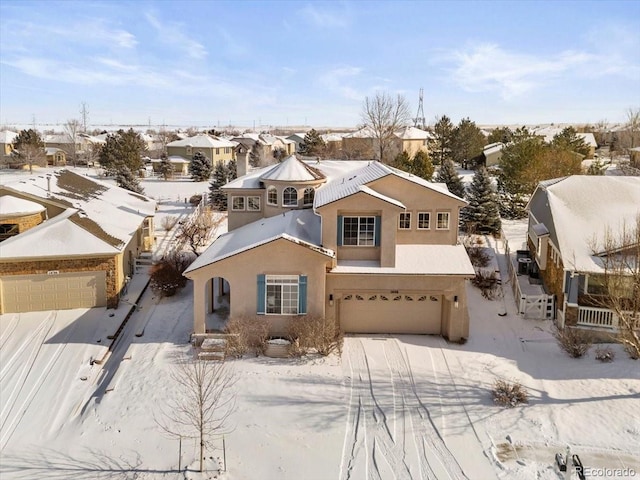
point(359, 242)
point(215, 149)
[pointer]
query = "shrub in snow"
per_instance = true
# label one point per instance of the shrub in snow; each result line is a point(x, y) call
point(195, 199)
point(487, 282)
point(605, 354)
point(169, 222)
point(166, 275)
point(478, 256)
point(246, 334)
point(574, 341)
point(317, 334)
point(509, 394)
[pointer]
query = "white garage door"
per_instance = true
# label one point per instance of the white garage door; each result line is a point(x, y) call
point(385, 313)
point(30, 293)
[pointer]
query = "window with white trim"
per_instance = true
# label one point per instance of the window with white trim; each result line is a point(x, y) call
point(272, 195)
point(404, 221)
point(358, 231)
point(290, 197)
point(237, 203)
point(282, 294)
point(443, 221)
point(424, 220)
point(309, 194)
point(253, 204)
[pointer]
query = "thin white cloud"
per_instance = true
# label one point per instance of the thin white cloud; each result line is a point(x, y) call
point(489, 67)
point(335, 80)
point(172, 34)
point(324, 18)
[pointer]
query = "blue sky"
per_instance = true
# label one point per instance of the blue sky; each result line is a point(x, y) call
point(209, 63)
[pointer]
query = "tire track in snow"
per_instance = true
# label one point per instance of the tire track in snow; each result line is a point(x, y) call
point(425, 432)
point(37, 384)
point(383, 456)
point(13, 323)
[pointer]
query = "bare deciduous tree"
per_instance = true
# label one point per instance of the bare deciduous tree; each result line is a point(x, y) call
point(620, 282)
point(384, 115)
point(199, 229)
point(200, 402)
point(72, 129)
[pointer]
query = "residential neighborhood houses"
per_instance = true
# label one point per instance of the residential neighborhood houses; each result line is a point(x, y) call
point(423, 321)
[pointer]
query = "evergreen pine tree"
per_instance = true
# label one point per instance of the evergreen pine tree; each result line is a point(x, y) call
point(165, 168)
point(422, 166)
point(217, 197)
point(200, 167)
point(312, 144)
point(447, 174)
point(482, 215)
point(232, 168)
point(127, 180)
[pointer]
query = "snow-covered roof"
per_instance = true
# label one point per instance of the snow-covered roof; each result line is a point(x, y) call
point(7, 136)
point(580, 209)
point(61, 138)
point(412, 133)
point(60, 236)
point(11, 206)
point(493, 148)
point(202, 141)
point(350, 183)
point(416, 260)
point(110, 213)
point(589, 139)
point(52, 150)
point(172, 159)
point(292, 170)
point(298, 226)
point(332, 137)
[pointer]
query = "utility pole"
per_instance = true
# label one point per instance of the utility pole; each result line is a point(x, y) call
point(420, 121)
point(85, 115)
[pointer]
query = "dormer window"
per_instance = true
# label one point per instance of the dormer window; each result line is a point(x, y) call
point(272, 195)
point(290, 197)
point(309, 194)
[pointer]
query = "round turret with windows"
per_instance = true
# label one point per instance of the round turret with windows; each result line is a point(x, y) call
point(291, 184)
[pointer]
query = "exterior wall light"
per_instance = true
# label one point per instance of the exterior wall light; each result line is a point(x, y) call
point(455, 301)
point(331, 299)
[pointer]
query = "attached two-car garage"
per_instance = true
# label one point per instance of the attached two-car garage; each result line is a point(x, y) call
point(361, 312)
point(54, 291)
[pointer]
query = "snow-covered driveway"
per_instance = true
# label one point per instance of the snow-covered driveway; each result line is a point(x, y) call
point(395, 423)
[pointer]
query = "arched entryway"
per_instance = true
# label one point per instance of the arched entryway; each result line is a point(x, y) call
point(218, 303)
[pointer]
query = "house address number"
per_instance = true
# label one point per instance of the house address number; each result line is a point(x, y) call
point(53, 272)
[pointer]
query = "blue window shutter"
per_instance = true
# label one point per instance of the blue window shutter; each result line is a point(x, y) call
point(378, 229)
point(339, 230)
point(302, 294)
point(261, 294)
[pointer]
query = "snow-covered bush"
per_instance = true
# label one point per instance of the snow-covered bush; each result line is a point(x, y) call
point(169, 222)
point(487, 282)
point(317, 334)
point(509, 394)
point(246, 334)
point(574, 341)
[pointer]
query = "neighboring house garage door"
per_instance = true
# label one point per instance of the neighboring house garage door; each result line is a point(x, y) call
point(385, 313)
point(29, 293)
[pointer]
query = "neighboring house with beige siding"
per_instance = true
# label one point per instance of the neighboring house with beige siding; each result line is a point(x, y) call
point(215, 149)
point(363, 143)
point(7, 137)
point(366, 245)
point(69, 241)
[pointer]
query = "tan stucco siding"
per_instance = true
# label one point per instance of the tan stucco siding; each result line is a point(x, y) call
point(221, 154)
point(238, 218)
point(271, 210)
point(280, 257)
point(361, 204)
point(421, 199)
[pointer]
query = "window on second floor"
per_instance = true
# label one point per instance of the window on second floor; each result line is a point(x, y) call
point(253, 204)
point(309, 194)
point(189, 150)
point(424, 221)
point(404, 221)
point(237, 203)
point(359, 231)
point(217, 151)
point(443, 221)
point(290, 197)
point(272, 195)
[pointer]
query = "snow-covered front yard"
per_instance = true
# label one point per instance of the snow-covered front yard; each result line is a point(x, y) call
point(405, 407)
